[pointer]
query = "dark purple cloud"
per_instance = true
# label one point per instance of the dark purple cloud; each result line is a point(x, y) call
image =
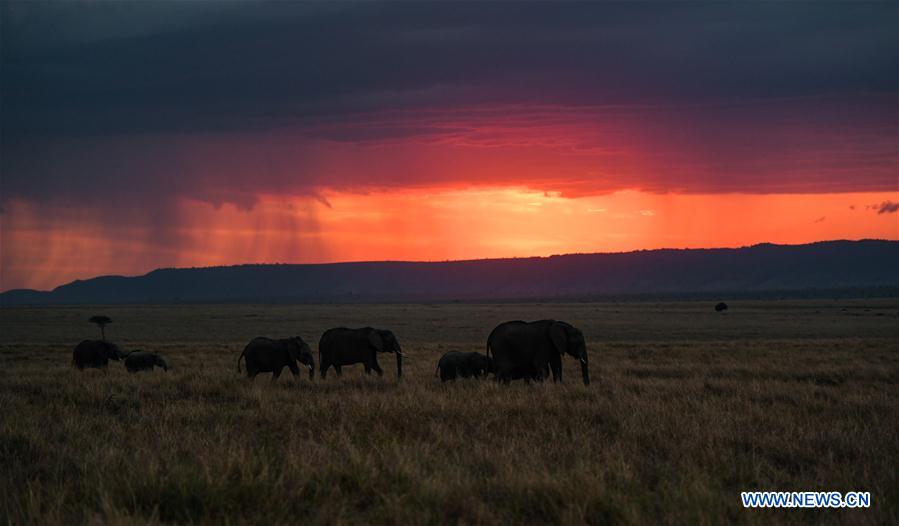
point(142, 102)
point(886, 207)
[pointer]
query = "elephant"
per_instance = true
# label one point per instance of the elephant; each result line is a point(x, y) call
point(342, 346)
point(530, 350)
point(144, 361)
point(95, 354)
point(463, 364)
point(265, 355)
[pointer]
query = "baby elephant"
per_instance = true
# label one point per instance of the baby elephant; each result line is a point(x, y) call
point(144, 361)
point(265, 355)
point(463, 364)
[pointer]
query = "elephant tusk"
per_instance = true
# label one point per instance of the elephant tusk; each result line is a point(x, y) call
point(310, 367)
point(583, 361)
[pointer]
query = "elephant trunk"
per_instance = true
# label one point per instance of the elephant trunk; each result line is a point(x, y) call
point(585, 373)
point(399, 364)
point(312, 372)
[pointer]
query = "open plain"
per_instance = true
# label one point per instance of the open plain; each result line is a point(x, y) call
point(686, 409)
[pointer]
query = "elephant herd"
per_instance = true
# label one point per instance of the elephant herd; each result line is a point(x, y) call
point(97, 353)
point(515, 350)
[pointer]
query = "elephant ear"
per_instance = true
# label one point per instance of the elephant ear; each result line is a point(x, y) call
point(374, 338)
point(113, 351)
point(292, 348)
point(559, 336)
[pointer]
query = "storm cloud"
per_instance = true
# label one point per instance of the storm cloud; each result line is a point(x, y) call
point(224, 101)
point(887, 207)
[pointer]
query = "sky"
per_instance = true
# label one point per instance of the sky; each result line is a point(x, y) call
point(140, 135)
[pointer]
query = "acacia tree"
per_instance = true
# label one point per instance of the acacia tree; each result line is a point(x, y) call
point(101, 321)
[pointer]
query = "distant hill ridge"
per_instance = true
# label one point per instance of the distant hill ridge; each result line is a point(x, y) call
point(866, 267)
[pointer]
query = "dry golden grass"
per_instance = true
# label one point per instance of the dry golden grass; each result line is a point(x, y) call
point(687, 408)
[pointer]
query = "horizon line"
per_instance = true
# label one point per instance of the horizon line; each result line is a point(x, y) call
point(359, 262)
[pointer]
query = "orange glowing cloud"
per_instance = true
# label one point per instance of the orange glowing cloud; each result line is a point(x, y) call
point(426, 225)
point(181, 134)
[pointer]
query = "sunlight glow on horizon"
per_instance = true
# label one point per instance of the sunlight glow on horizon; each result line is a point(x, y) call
point(420, 225)
point(419, 136)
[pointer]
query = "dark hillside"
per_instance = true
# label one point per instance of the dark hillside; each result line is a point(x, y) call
point(853, 267)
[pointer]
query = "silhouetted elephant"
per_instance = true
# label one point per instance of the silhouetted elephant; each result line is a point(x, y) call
point(144, 361)
point(342, 346)
point(531, 349)
point(463, 364)
point(721, 307)
point(265, 355)
point(95, 354)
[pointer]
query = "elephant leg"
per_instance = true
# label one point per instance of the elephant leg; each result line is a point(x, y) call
point(377, 368)
point(539, 372)
point(324, 369)
point(338, 369)
point(276, 373)
point(555, 363)
point(294, 369)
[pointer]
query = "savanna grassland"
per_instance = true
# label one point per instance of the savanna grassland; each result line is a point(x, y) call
point(687, 408)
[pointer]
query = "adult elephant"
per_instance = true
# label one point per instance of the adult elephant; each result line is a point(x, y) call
point(136, 361)
point(342, 346)
point(530, 349)
point(265, 355)
point(455, 364)
point(95, 354)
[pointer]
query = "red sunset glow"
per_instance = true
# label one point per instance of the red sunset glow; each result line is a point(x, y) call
point(432, 225)
point(439, 138)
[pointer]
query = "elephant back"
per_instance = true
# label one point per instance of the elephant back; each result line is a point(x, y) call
point(263, 345)
point(339, 340)
point(139, 360)
point(94, 353)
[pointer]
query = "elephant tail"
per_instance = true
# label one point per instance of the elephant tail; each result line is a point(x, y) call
point(239, 358)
